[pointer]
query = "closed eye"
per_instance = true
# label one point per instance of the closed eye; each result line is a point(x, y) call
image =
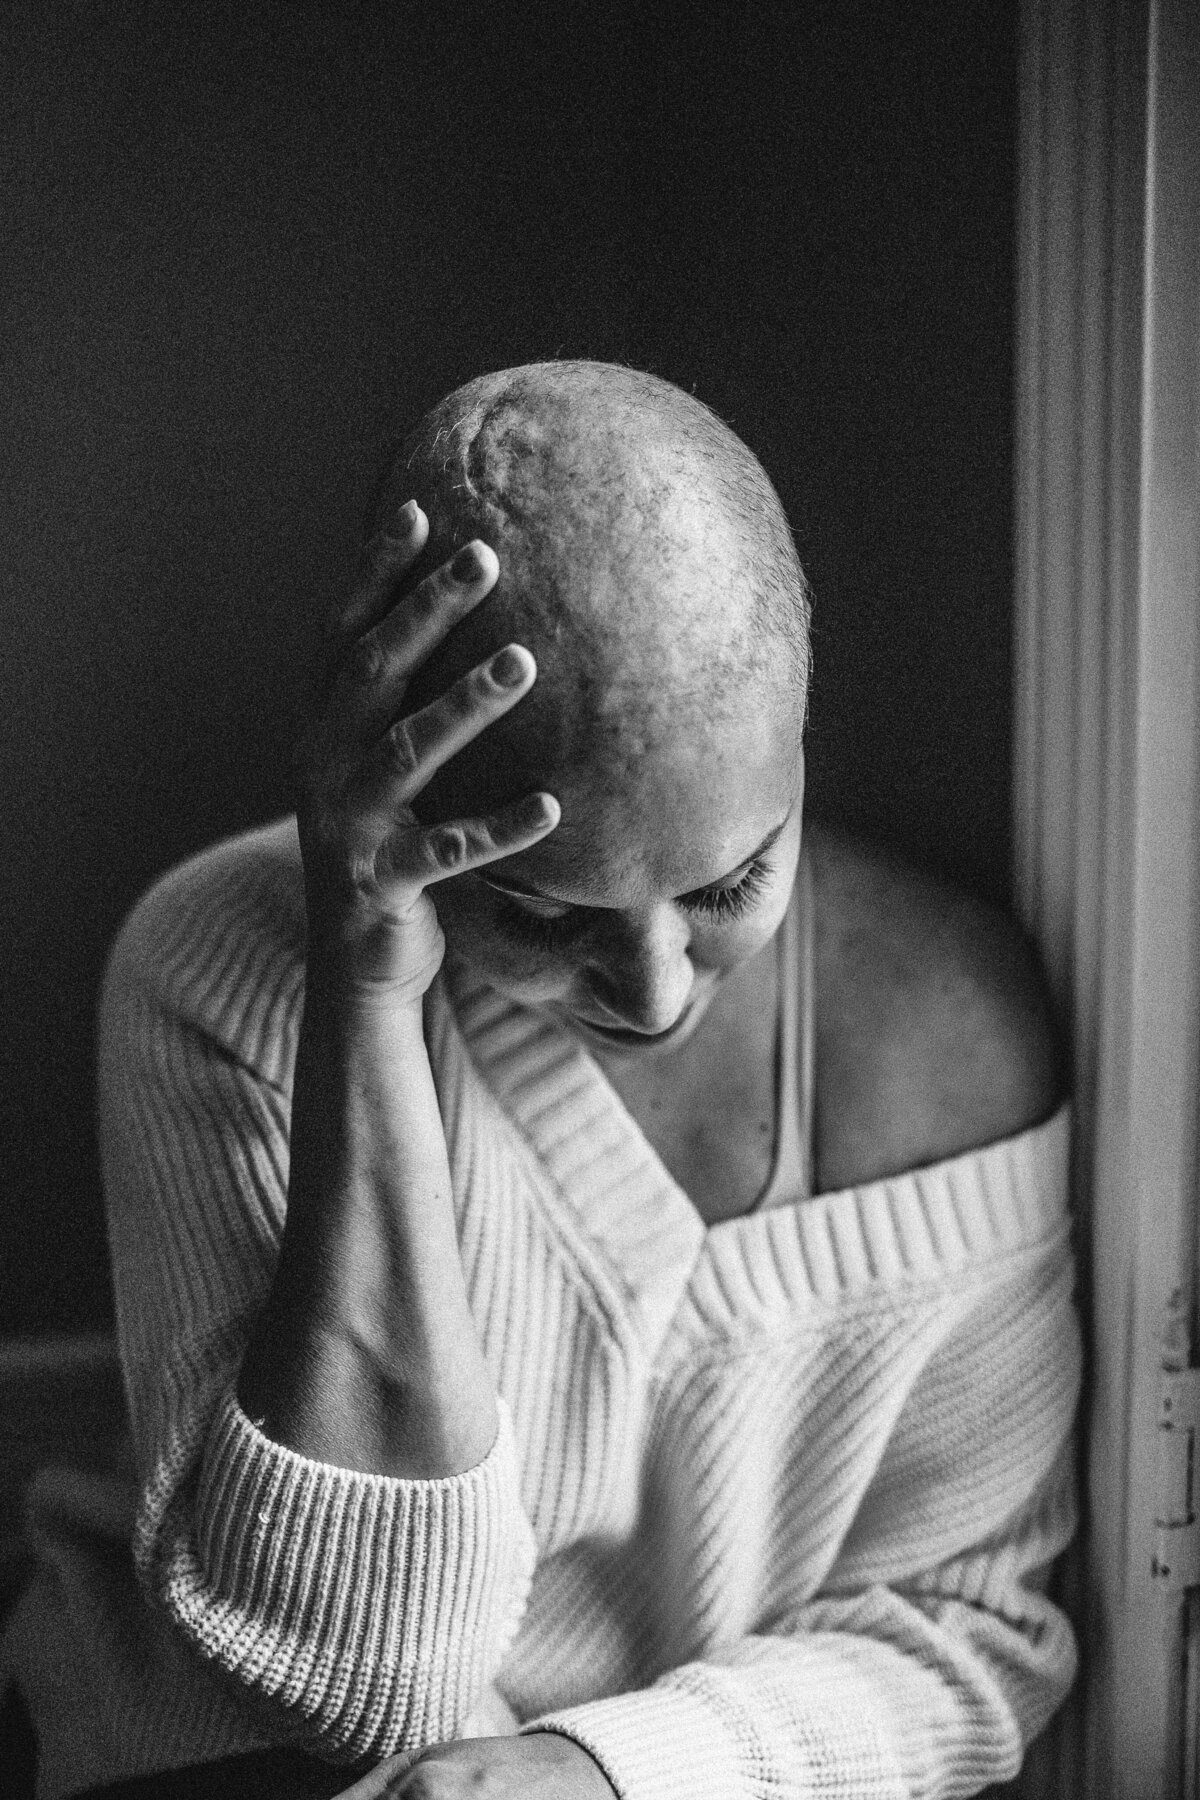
point(548, 924)
point(730, 902)
point(525, 921)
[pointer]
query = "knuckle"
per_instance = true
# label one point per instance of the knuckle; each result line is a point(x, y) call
point(360, 868)
point(402, 754)
point(465, 842)
point(427, 597)
point(364, 664)
point(443, 717)
point(383, 558)
point(463, 699)
point(379, 548)
point(448, 846)
point(423, 1784)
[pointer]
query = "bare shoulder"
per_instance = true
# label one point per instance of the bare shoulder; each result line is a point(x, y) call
point(935, 1033)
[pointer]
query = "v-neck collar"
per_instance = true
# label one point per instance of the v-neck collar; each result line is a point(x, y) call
point(618, 1187)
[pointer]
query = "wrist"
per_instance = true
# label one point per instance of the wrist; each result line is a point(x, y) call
point(365, 958)
point(585, 1773)
point(355, 982)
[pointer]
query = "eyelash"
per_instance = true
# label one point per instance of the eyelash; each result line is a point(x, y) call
point(723, 905)
point(732, 903)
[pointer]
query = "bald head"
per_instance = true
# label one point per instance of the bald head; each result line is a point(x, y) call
point(644, 559)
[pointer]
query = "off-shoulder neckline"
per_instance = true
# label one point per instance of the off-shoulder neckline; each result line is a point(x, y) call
point(924, 1224)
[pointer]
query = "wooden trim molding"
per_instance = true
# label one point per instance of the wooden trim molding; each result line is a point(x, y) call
point(1107, 770)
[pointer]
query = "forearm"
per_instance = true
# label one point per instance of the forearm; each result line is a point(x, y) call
point(366, 1355)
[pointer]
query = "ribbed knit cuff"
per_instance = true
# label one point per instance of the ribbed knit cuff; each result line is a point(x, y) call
point(658, 1744)
point(373, 1609)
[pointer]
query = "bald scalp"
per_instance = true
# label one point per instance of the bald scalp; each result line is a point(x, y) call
point(644, 556)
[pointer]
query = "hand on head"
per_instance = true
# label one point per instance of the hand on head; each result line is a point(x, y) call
point(365, 757)
point(632, 556)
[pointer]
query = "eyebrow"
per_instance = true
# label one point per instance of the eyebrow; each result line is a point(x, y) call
point(532, 892)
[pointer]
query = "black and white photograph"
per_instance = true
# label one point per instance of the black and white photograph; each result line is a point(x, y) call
point(600, 900)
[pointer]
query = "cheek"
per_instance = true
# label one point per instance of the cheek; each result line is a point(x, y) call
point(725, 947)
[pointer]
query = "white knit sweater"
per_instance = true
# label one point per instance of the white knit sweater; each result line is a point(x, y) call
point(770, 1501)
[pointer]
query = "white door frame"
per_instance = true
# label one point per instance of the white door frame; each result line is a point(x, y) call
point(1107, 777)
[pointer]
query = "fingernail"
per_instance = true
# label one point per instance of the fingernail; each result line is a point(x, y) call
point(508, 667)
point(406, 518)
point(537, 809)
point(466, 566)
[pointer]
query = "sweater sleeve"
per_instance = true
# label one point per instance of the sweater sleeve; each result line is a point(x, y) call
point(357, 1614)
point(904, 1675)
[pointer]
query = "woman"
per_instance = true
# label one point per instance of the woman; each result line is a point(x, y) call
point(592, 1272)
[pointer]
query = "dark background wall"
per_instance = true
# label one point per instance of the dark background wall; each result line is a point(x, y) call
point(242, 243)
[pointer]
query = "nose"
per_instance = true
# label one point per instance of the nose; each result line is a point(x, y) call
point(643, 975)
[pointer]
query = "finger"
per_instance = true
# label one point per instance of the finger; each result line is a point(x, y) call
point(385, 1780)
point(410, 751)
point(386, 559)
point(383, 660)
point(463, 844)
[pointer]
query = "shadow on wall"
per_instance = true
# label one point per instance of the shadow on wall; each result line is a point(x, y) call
point(243, 244)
